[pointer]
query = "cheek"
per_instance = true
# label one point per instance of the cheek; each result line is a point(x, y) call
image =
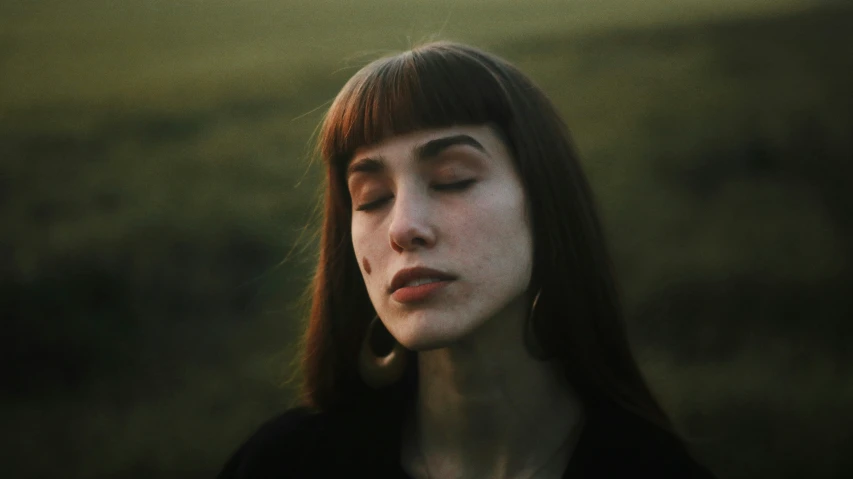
point(359, 239)
point(502, 217)
point(504, 237)
point(364, 247)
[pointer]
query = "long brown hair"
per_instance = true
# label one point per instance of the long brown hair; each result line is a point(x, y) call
point(579, 315)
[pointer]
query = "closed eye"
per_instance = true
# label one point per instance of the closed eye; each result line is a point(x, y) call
point(456, 186)
point(450, 187)
point(372, 205)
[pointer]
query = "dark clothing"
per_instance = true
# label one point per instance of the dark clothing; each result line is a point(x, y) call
point(305, 444)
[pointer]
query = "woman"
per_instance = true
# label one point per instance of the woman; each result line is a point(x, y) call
point(457, 219)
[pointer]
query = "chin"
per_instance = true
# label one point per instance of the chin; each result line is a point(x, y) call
point(419, 341)
point(420, 345)
point(421, 335)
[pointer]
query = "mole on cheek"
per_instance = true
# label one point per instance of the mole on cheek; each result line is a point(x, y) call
point(366, 265)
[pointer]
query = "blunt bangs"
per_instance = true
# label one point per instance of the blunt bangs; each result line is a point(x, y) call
point(436, 86)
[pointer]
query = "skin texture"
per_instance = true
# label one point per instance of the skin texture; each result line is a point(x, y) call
point(479, 234)
point(481, 395)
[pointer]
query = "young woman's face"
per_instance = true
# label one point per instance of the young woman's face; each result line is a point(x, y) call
point(440, 231)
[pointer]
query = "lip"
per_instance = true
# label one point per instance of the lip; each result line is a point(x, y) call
point(417, 294)
point(406, 275)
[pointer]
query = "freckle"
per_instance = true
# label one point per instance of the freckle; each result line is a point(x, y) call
point(366, 265)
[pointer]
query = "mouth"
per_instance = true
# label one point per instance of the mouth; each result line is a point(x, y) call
point(420, 277)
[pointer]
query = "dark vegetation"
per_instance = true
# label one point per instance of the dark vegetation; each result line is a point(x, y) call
point(152, 261)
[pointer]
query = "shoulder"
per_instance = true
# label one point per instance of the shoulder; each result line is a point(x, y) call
point(284, 446)
point(621, 444)
point(302, 443)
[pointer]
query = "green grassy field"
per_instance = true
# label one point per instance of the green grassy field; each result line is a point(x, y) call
point(175, 55)
point(157, 195)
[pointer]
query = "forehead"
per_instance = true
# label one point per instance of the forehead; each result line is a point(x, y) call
point(403, 145)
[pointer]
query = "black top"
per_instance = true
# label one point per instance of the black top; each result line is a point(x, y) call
point(305, 444)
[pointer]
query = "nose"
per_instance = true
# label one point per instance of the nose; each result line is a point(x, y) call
point(411, 222)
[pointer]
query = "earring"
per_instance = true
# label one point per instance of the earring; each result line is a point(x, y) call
point(530, 338)
point(380, 371)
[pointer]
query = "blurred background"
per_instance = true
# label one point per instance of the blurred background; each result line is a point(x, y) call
point(157, 197)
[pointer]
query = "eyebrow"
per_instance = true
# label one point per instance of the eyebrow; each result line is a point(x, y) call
point(427, 151)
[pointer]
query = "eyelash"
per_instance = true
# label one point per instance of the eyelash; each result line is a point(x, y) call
point(447, 187)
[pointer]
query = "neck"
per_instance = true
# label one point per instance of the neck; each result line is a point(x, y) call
point(486, 408)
